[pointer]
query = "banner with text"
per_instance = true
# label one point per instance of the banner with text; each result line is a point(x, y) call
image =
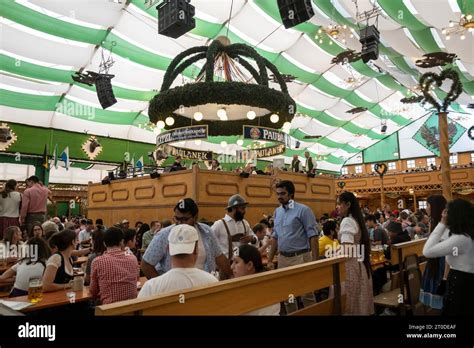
point(266, 134)
point(182, 134)
point(187, 153)
point(261, 153)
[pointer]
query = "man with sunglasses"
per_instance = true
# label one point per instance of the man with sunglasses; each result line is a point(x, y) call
point(157, 260)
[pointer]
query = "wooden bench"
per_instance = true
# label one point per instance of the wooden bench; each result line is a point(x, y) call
point(399, 252)
point(243, 295)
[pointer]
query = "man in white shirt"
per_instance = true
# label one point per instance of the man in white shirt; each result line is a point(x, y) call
point(233, 230)
point(183, 249)
point(86, 234)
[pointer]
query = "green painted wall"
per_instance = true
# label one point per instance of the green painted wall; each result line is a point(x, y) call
point(383, 150)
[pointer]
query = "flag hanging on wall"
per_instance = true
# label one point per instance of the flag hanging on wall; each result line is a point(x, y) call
point(45, 158)
point(55, 156)
point(65, 157)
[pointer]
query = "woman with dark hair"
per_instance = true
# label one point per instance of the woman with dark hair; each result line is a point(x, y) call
point(59, 270)
point(28, 267)
point(457, 222)
point(431, 293)
point(247, 260)
point(140, 231)
point(98, 248)
point(10, 201)
point(354, 238)
point(37, 230)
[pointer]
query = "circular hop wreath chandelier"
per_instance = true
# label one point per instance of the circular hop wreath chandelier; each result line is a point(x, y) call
point(237, 98)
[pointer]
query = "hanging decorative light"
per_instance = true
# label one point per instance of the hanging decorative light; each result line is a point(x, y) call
point(160, 124)
point(169, 121)
point(274, 118)
point(227, 81)
point(461, 28)
point(251, 115)
point(335, 32)
point(198, 116)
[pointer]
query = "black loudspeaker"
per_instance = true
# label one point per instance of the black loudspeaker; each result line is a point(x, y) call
point(369, 38)
point(175, 18)
point(104, 90)
point(294, 12)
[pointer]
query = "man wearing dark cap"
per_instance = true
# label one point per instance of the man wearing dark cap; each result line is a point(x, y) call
point(157, 260)
point(233, 230)
point(33, 205)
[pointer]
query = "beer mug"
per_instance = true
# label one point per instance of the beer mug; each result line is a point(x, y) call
point(35, 289)
point(78, 284)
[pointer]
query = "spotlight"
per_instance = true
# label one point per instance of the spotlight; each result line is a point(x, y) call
point(244, 175)
point(175, 18)
point(105, 181)
point(169, 121)
point(154, 175)
point(274, 118)
point(311, 175)
point(384, 128)
point(111, 176)
point(297, 146)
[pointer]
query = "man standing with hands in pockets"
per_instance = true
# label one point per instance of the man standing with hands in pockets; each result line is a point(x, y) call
point(294, 234)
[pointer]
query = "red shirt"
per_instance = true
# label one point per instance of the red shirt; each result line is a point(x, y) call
point(114, 276)
point(34, 200)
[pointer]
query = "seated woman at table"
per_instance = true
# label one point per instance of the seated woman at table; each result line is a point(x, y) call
point(11, 247)
point(98, 248)
point(32, 266)
point(247, 260)
point(59, 270)
point(36, 230)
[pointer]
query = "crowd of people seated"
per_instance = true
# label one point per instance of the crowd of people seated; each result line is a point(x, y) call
point(185, 251)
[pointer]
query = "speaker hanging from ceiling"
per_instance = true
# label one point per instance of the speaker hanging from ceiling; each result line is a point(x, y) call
point(175, 18)
point(105, 93)
point(369, 38)
point(294, 12)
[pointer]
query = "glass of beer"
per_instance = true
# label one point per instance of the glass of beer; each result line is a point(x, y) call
point(35, 290)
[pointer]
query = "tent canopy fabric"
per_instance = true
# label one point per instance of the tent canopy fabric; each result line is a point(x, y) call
point(44, 42)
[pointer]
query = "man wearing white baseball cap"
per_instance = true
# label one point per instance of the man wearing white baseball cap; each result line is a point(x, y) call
point(183, 249)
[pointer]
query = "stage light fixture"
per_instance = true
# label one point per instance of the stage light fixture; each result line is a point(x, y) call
point(155, 175)
point(311, 175)
point(105, 181)
point(244, 175)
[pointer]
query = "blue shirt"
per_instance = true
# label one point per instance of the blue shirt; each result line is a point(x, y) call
point(294, 225)
point(157, 253)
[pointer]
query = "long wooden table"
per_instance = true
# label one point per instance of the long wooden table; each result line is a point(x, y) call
point(59, 298)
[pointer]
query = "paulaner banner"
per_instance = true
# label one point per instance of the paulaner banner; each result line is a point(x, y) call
point(181, 134)
point(266, 134)
point(187, 153)
point(261, 153)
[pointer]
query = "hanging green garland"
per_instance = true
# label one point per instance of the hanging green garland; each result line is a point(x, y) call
point(427, 79)
point(259, 95)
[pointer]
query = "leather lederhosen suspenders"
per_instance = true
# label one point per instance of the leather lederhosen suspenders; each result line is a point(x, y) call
point(234, 238)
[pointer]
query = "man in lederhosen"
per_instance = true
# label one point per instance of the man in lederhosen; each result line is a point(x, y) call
point(233, 230)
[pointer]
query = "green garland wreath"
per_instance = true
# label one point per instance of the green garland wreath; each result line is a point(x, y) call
point(258, 95)
point(427, 79)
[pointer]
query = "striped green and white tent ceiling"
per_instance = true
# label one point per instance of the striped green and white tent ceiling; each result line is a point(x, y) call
point(44, 41)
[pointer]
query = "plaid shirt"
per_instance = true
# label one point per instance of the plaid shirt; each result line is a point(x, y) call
point(114, 276)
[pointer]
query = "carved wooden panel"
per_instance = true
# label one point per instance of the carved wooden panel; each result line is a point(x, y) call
point(144, 192)
point(178, 189)
point(119, 195)
point(320, 189)
point(356, 183)
point(386, 181)
point(300, 187)
point(418, 179)
point(258, 191)
point(99, 196)
point(221, 189)
point(458, 175)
